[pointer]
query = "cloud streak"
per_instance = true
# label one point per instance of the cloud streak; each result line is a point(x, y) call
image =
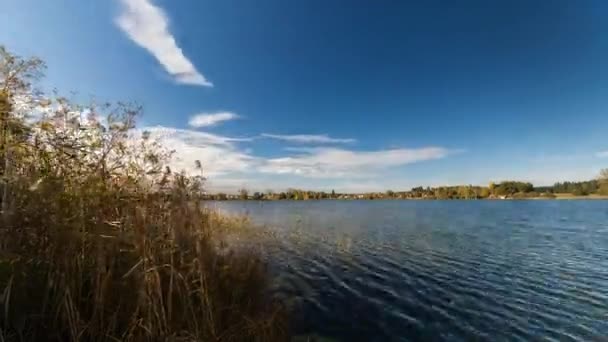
point(229, 162)
point(308, 138)
point(148, 26)
point(210, 119)
point(218, 154)
point(337, 163)
point(602, 154)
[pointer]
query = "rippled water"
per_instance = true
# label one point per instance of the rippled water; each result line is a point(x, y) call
point(441, 270)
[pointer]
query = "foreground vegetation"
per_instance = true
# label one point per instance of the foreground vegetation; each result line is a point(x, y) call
point(100, 241)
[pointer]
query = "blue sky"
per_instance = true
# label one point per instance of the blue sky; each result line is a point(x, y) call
point(344, 94)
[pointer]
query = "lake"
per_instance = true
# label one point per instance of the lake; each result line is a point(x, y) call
point(440, 270)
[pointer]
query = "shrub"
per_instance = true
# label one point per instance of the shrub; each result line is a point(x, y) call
point(548, 195)
point(603, 190)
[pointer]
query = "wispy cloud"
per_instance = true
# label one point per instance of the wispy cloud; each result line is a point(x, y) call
point(602, 154)
point(309, 138)
point(220, 155)
point(148, 26)
point(211, 119)
point(227, 159)
point(336, 163)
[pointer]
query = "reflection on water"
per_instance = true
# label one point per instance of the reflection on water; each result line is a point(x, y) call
point(441, 270)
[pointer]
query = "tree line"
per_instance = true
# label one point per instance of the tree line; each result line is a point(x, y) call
point(501, 190)
point(595, 186)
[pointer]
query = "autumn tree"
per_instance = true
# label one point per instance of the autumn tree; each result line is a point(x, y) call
point(491, 187)
point(484, 192)
point(603, 180)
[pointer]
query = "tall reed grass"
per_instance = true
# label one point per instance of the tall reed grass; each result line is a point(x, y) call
point(101, 241)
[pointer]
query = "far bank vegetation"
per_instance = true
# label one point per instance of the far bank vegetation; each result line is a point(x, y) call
point(597, 188)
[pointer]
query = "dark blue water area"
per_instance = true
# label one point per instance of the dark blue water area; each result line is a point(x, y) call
point(440, 270)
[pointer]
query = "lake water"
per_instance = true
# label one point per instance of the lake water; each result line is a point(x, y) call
point(440, 270)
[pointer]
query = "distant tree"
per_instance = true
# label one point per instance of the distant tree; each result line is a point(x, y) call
point(442, 193)
point(243, 194)
point(579, 191)
point(491, 187)
point(603, 182)
point(508, 188)
point(466, 192)
point(603, 175)
point(484, 193)
point(577, 188)
point(415, 192)
point(524, 187)
point(291, 194)
point(258, 196)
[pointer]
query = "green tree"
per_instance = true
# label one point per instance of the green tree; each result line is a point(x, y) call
point(484, 192)
point(603, 175)
point(603, 182)
point(465, 192)
point(579, 191)
point(508, 188)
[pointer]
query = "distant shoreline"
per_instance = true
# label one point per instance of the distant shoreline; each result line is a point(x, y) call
point(591, 190)
point(573, 197)
point(558, 197)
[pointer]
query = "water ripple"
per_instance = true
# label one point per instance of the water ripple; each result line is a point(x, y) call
point(455, 271)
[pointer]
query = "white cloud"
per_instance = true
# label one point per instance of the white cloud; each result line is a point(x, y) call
point(148, 26)
point(211, 119)
point(194, 137)
point(230, 164)
point(218, 154)
point(602, 154)
point(309, 139)
point(337, 163)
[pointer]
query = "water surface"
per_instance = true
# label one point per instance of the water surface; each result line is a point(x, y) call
point(440, 270)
